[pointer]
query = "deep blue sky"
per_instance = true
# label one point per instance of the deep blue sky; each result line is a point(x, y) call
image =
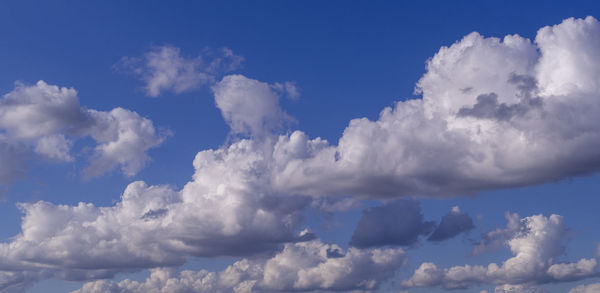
point(349, 59)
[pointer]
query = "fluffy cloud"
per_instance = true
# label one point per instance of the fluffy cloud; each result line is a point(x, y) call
point(164, 69)
point(536, 248)
point(227, 209)
point(494, 113)
point(299, 267)
point(499, 237)
point(46, 119)
point(249, 106)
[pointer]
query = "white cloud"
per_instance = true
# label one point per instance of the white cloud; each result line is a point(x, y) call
point(249, 106)
point(164, 69)
point(300, 267)
point(507, 288)
point(495, 113)
point(227, 209)
point(46, 119)
point(123, 139)
point(536, 247)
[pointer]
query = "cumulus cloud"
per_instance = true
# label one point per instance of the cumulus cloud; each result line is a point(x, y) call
point(249, 106)
point(494, 113)
point(226, 209)
point(497, 238)
point(45, 120)
point(163, 68)
point(536, 248)
point(299, 267)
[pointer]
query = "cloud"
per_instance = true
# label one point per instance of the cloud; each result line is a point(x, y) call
point(495, 113)
point(591, 288)
point(123, 140)
point(397, 223)
point(247, 198)
point(299, 267)
point(451, 225)
point(401, 223)
point(164, 69)
point(499, 237)
point(536, 248)
point(249, 106)
point(507, 288)
point(46, 120)
point(226, 209)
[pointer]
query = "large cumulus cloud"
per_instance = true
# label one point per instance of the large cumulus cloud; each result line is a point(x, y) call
point(494, 113)
point(224, 210)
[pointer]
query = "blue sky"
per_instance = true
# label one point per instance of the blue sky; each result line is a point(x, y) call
point(266, 98)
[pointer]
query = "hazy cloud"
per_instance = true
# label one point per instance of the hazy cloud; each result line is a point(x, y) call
point(451, 225)
point(397, 223)
point(163, 68)
point(590, 288)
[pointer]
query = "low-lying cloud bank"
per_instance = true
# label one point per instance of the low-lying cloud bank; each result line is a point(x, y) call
point(300, 267)
point(536, 243)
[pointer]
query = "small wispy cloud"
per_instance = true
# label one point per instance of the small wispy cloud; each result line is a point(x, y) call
point(164, 68)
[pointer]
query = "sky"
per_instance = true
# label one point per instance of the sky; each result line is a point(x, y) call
point(279, 146)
